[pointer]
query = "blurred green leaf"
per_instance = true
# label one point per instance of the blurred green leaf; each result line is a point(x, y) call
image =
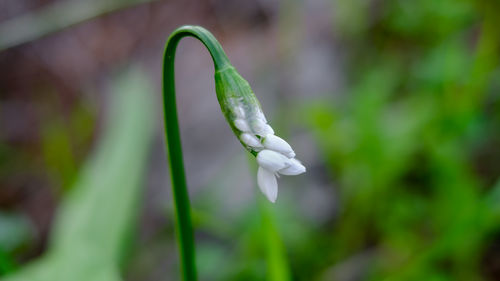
point(277, 263)
point(95, 220)
point(15, 230)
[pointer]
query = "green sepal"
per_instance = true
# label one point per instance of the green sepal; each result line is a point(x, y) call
point(235, 96)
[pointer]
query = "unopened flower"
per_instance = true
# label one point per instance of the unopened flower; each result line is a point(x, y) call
point(295, 168)
point(243, 112)
point(260, 127)
point(250, 140)
point(241, 125)
point(278, 144)
point(272, 161)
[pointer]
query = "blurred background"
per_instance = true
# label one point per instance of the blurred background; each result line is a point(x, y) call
point(393, 106)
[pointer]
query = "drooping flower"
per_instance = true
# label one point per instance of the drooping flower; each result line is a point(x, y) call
point(271, 164)
point(276, 157)
point(243, 112)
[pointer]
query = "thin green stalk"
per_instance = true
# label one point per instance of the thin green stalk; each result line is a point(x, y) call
point(181, 199)
point(245, 117)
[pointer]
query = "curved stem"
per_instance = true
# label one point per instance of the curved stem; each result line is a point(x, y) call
point(181, 198)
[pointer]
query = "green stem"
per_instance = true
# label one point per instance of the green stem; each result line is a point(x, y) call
point(179, 188)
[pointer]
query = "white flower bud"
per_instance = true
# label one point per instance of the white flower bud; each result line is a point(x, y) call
point(269, 130)
point(268, 184)
point(240, 112)
point(241, 125)
point(242, 109)
point(261, 128)
point(260, 115)
point(295, 168)
point(272, 160)
point(250, 140)
point(278, 144)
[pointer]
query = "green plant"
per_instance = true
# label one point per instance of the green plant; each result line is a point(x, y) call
point(95, 220)
point(244, 115)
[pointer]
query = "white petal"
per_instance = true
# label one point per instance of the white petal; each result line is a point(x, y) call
point(250, 140)
point(261, 128)
point(241, 125)
point(268, 184)
point(295, 168)
point(272, 160)
point(261, 116)
point(240, 112)
point(278, 144)
point(269, 130)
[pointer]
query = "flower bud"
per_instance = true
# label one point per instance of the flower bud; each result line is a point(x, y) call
point(259, 127)
point(239, 112)
point(272, 160)
point(278, 144)
point(260, 115)
point(295, 168)
point(241, 125)
point(238, 103)
point(244, 114)
point(250, 140)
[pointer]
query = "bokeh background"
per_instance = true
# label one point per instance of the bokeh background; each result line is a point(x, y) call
point(393, 106)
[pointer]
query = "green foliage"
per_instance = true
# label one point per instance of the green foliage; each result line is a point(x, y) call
point(407, 152)
point(402, 145)
point(96, 219)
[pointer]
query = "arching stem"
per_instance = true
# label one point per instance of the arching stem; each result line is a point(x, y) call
point(174, 150)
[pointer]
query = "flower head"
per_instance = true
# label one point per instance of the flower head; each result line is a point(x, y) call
point(244, 114)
